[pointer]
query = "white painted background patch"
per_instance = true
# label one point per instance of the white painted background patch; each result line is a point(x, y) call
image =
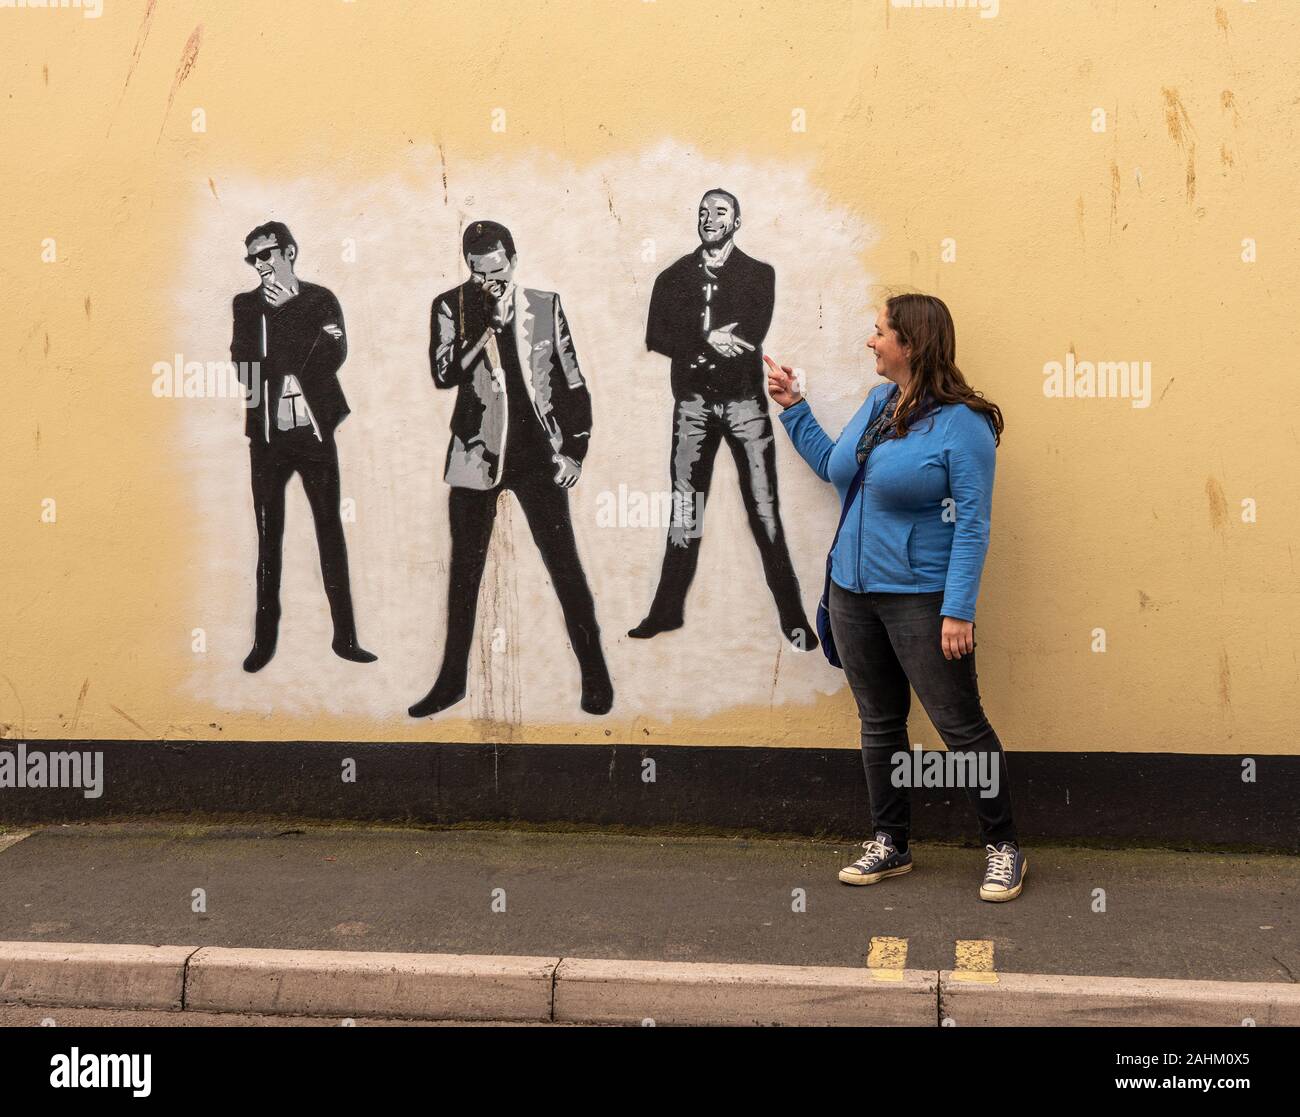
point(579, 231)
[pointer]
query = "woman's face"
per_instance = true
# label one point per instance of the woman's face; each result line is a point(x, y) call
point(892, 357)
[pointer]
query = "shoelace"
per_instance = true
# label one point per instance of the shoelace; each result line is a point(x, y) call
point(876, 853)
point(1000, 865)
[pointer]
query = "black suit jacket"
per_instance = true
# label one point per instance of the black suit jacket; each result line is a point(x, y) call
point(743, 290)
point(296, 344)
point(549, 364)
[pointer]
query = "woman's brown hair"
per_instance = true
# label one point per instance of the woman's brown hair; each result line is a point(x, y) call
point(924, 323)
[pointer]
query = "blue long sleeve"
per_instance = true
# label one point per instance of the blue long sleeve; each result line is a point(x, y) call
point(921, 521)
point(970, 455)
point(813, 444)
point(832, 459)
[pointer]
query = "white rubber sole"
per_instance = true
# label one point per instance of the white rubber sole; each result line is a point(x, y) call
point(871, 878)
point(1010, 893)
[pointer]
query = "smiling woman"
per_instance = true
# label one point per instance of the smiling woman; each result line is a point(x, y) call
point(914, 470)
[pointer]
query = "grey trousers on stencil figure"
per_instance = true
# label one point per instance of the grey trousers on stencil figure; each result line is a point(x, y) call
point(887, 641)
point(699, 429)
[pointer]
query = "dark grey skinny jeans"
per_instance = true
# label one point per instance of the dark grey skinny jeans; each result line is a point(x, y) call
point(886, 641)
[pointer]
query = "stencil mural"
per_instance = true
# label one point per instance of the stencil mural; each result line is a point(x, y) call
point(513, 578)
point(522, 423)
point(709, 314)
point(289, 344)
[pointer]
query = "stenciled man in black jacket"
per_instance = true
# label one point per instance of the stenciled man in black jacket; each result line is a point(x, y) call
point(291, 332)
point(522, 421)
point(709, 314)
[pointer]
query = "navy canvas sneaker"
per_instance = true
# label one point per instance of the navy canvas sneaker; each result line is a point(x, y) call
point(881, 860)
point(1004, 872)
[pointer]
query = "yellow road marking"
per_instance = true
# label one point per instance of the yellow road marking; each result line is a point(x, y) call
point(887, 958)
point(975, 962)
point(13, 838)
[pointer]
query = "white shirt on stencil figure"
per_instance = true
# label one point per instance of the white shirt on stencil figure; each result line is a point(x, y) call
point(293, 410)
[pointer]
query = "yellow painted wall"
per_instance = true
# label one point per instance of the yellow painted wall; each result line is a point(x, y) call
point(1122, 244)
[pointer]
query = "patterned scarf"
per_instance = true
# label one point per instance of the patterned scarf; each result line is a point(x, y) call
point(878, 429)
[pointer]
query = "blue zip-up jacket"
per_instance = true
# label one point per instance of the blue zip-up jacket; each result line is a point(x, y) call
point(921, 521)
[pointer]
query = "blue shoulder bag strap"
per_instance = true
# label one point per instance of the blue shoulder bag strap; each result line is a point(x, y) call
point(855, 487)
point(824, 633)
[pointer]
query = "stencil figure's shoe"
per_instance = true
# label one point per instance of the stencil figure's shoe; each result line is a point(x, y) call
point(441, 697)
point(652, 626)
point(1004, 872)
point(262, 654)
point(351, 650)
point(881, 860)
point(597, 692)
point(799, 632)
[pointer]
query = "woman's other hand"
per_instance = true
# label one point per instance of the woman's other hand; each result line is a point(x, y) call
point(957, 637)
point(781, 384)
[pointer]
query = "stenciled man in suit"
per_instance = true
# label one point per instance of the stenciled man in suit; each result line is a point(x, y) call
point(709, 314)
point(291, 332)
point(522, 421)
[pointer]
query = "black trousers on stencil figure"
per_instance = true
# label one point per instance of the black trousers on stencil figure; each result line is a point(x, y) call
point(472, 515)
point(317, 463)
point(522, 421)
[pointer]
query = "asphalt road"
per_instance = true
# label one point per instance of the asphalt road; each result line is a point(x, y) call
point(592, 895)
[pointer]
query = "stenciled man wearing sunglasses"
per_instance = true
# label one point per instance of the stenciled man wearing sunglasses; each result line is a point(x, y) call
point(292, 332)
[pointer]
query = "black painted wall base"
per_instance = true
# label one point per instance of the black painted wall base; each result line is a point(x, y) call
point(1097, 798)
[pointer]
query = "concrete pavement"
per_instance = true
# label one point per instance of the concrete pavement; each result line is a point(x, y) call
point(598, 898)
